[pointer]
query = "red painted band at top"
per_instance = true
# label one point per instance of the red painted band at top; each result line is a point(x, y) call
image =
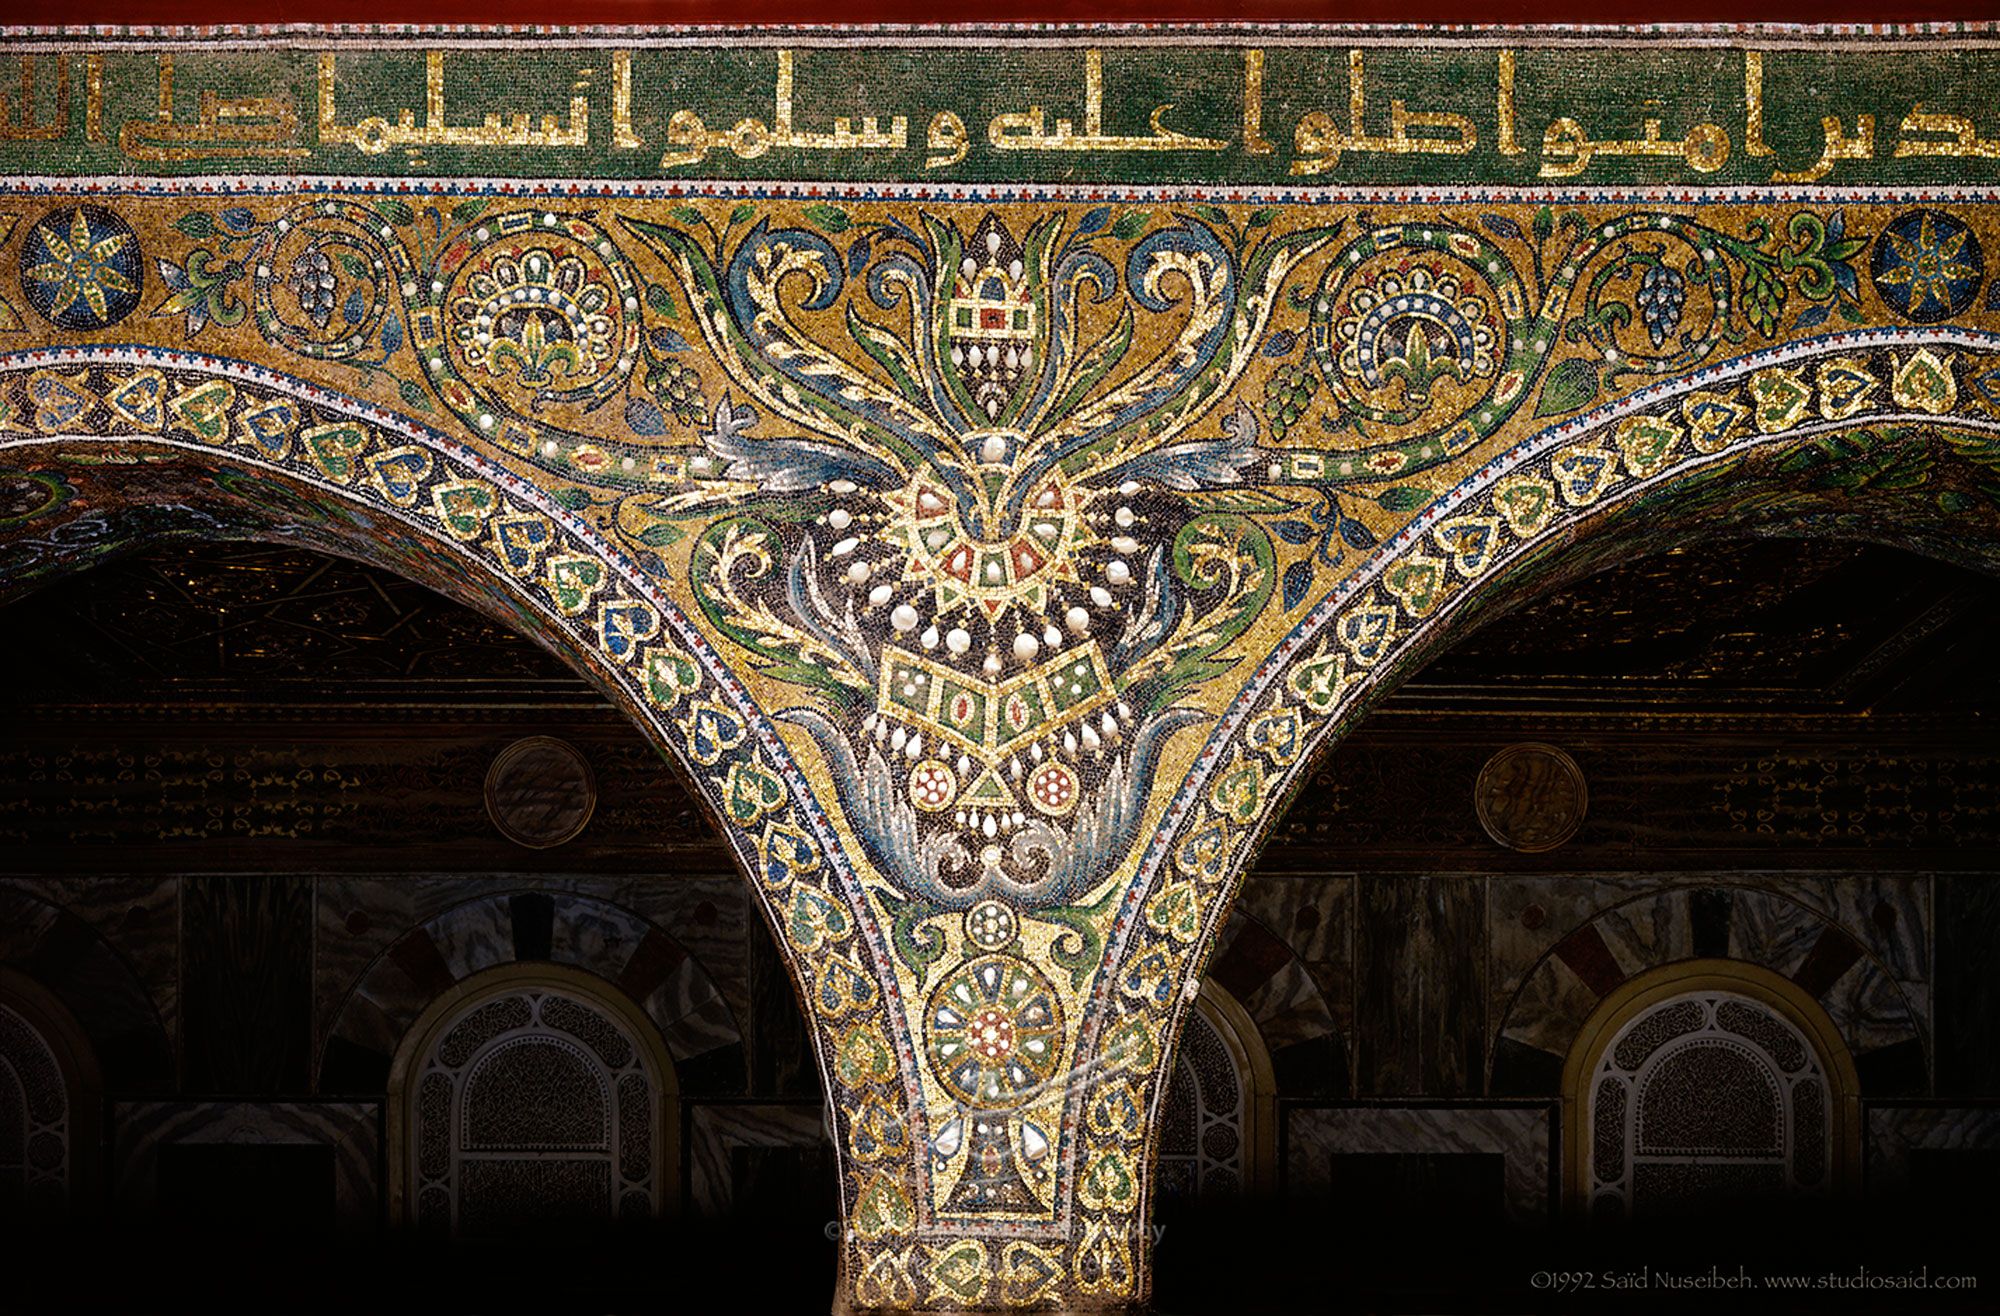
point(783, 12)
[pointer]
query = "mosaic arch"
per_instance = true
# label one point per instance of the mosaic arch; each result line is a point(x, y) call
point(996, 506)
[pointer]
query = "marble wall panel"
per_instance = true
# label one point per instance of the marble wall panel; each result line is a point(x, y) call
point(24, 919)
point(1647, 929)
point(1521, 1133)
point(1549, 1008)
point(137, 917)
point(717, 1130)
point(1897, 1133)
point(368, 1024)
point(475, 934)
point(693, 1016)
point(1528, 914)
point(1860, 941)
point(710, 913)
point(1772, 930)
point(359, 919)
point(353, 1129)
point(1870, 1010)
point(246, 984)
point(1288, 1007)
point(1314, 914)
point(1968, 1007)
point(598, 933)
point(1420, 1010)
point(1888, 914)
point(778, 1041)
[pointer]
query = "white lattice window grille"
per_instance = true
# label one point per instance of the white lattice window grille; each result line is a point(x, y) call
point(1702, 1099)
point(34, 1120)
point(1202, 1143)
point(535, 1108)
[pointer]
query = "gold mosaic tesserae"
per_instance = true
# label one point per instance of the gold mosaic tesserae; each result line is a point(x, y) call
point(993, 465)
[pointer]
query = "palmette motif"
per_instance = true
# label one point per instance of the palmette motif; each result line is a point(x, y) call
point(995, 567)
point(1016, 529)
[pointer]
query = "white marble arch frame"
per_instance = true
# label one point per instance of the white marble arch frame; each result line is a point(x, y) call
point(82, 1083)
point(1644, 991)
point(1252, 1059)
point(503, 980)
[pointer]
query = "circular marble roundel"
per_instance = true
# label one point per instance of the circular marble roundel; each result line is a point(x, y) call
point(540, 792)
point(1530, 797)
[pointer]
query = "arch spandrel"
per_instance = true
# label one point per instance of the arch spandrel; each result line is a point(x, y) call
point(994, 567)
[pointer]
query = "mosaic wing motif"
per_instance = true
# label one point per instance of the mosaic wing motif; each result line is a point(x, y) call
point(1003, 426)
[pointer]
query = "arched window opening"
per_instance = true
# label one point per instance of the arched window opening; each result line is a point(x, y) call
point(1712, 1086)
point(1217, 1117)
point(534, 1100)
point(48, 1103)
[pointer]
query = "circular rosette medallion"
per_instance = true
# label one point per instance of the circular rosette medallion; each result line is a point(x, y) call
point(1417, 337)
point(933, 785)
point(991, 925)
point(1928, 266)
point(540, 309)
point(993, 1030)
point(82, 269)
point(322, 282)
point(1018, 564)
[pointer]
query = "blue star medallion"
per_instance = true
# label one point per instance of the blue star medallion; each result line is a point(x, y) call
point(1928, 266)
point(81, 268)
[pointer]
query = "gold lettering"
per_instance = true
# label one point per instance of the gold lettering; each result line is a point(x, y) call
point(1254, 142)
point(93, 101)
point(622, 136)
point(253, 125)
point(1960, 138)
point(1507, 145)
point(376, 134)
point(24, 125)
point(751, 138)
point(1321, 142)
point(1028, 131)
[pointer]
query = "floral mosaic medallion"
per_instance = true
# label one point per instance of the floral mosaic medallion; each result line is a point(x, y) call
point(993, 1036)
point(81, 268)
point(995, 505)
point(1929, 266)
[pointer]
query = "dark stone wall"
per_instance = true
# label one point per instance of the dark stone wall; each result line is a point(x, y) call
point(246, 984)
point(1419, 965)
point(1968, 939)
point(1417, 989)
